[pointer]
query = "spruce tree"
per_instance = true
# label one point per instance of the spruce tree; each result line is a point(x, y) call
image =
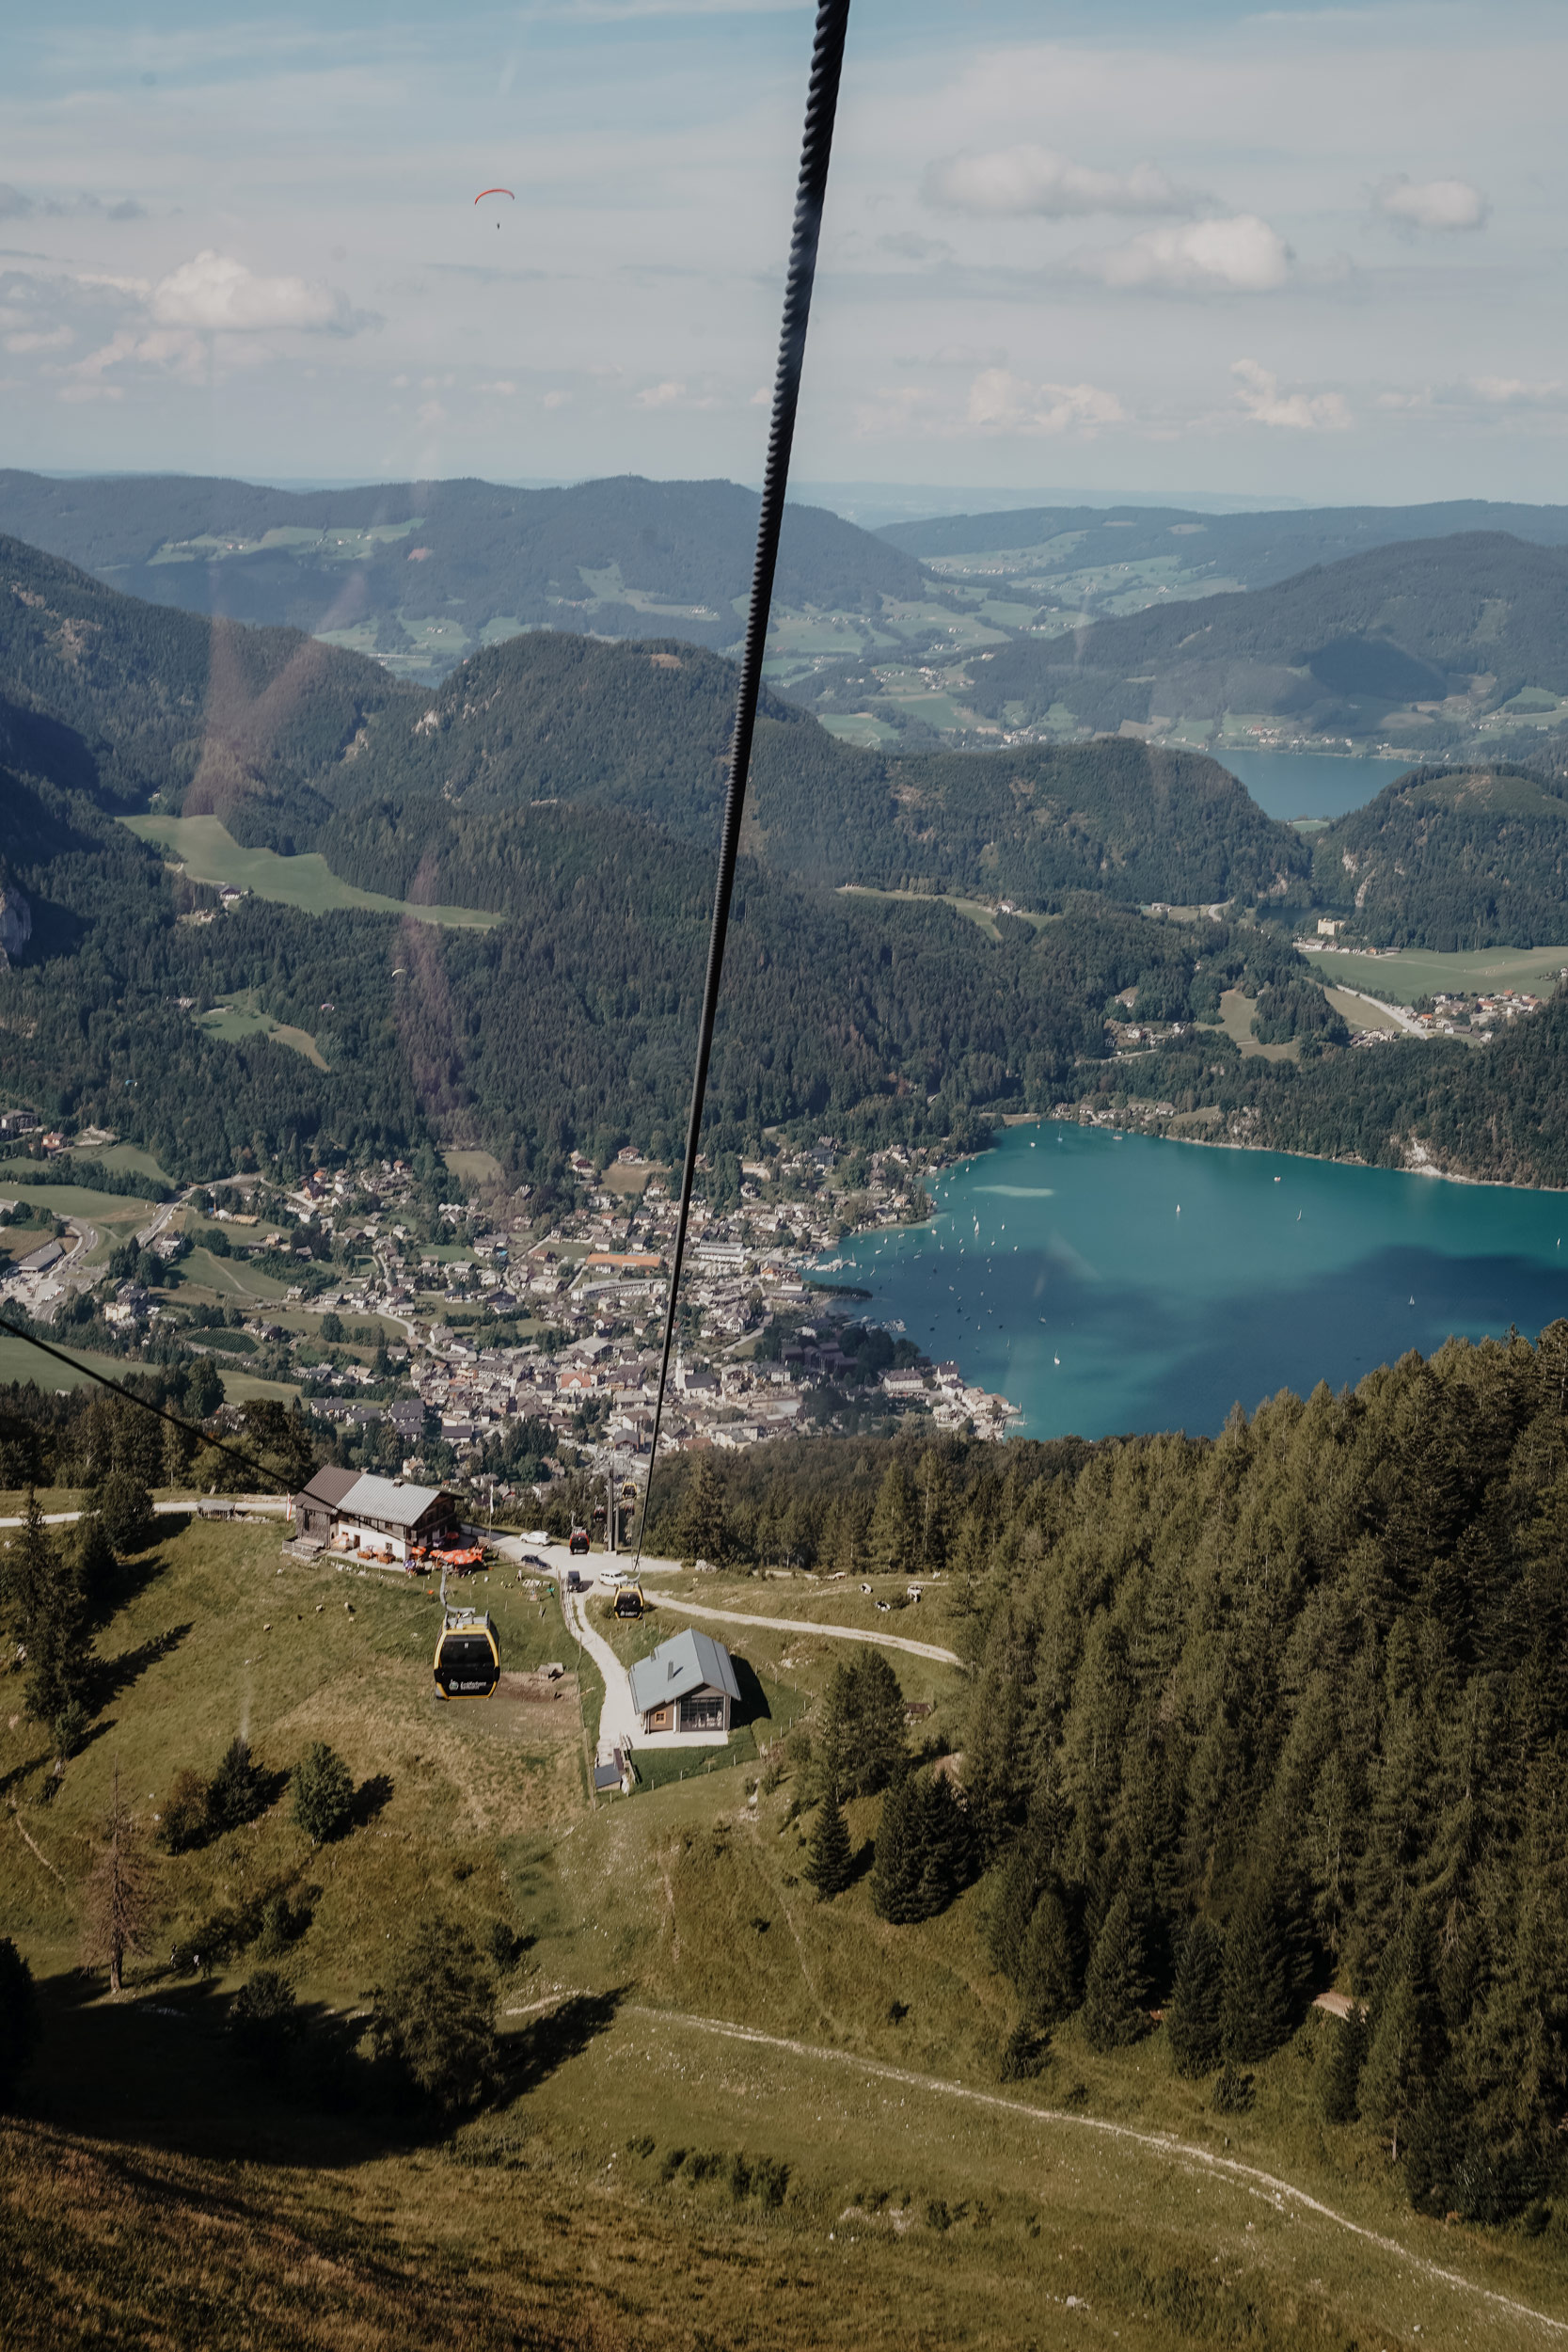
point(829, 1861)
point(895, 1523)
point(934, 1496)
point(878, 1704)
point(1115, 1990)
point(895, 1872)
point(703, 1520)
point(59, 1647)
point(1193, 2021)
point(1049, 1972)
point(237, 1790)
point(1255, 2007)
point(942, 1837)
point(1339, 2076)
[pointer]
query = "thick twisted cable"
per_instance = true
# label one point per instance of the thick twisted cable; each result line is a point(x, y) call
point(826, 62)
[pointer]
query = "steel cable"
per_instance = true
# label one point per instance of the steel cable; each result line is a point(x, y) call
point(826, 62)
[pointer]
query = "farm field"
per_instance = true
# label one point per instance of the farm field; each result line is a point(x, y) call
point(210, 854)
point(1423, 972)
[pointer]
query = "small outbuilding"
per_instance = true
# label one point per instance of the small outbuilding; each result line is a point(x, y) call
point(688, 1686)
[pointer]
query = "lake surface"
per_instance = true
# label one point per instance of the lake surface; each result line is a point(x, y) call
point(1310, 784)
point(1107, 1284)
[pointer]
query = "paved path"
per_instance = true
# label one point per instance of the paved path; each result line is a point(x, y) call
point(803, 1625)
point(618, 1724)
point(185, 1506)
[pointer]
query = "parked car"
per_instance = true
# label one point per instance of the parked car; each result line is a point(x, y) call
point(576, 1581)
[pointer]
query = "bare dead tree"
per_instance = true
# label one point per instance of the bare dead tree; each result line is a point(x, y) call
point(119, 1893)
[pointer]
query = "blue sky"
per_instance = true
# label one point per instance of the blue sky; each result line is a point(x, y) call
point(1313, 252)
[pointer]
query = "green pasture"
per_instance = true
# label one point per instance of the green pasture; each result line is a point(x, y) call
point(862, 729)
point(976, 911)
point(210, 853)
point(1424, 972)
point(235, 1022)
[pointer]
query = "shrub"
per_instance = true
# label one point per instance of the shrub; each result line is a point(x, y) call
point(324, 1793)
point(184, 1822)
point(19, 2021)
point(503, 1944)
point(263, 2018)
point(1233, 2092)
point(1024, 2053)
point(282, 1924)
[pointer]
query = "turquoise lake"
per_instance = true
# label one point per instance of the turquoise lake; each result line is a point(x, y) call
point(1105, 1283)
point(1288, 785)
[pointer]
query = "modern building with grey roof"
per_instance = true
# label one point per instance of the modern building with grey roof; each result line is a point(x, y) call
point(688, 1686)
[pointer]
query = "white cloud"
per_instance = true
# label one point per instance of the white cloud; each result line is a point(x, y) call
point(1441, 204)
point(1242, 255)
point(37, 340)
point(1512, 392)
point(503, 386)
point(1034, 180)
point(907, 246)
point(555, 400)
point(1263, 402)
point(1001, 402)
point(430, 414)
point(659, 395)
point(215, 293)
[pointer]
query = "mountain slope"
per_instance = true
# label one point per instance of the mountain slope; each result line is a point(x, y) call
point(426, 568)
point(105, 694)
point(1479, 617)
point(646, 728)
point(1446, 859)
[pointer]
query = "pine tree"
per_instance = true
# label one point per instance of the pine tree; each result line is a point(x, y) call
point(895, 1872)
point(1255, 2007)
point(1406, 2044)
point(829, 1861)
point(895, 1523)
point(934, 1491)
point(237, 1790)
point(1193, 2021)
point(1339, 2076)
point(879, 1709)
point(942, 1839)
point(704, 1523)
point(1049, 1972)
point(1115, 1990)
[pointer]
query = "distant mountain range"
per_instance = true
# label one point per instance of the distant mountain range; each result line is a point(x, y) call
point(1243, 550)
point(1427, 640)
point(422, 573)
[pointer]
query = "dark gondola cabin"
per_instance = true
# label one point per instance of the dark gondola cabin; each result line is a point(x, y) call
point(629, 1601)
point(468, 1657)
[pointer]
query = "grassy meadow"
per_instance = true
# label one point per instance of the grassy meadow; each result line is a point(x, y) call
point(210, 853)
point(731, 2114)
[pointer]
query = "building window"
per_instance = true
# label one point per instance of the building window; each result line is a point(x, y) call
point(702, 1714)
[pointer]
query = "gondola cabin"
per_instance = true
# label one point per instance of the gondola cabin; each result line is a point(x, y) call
point(468, 1657)
point(629, 1601)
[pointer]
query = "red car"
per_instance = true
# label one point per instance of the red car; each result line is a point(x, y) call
point(579, 1539)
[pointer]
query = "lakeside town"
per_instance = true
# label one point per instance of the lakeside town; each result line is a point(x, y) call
point(466, 1338)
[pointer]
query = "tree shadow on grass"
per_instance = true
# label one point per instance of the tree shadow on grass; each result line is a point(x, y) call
point(546, 2043)
point(113, 1676)
point(370, 1798)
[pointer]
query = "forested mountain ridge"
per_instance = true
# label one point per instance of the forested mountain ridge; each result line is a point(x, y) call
point(103, 693)
point(623, 557)
point(1480, 617)
point(645, 727)
point(1449, 858)
point(1261, 1715)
